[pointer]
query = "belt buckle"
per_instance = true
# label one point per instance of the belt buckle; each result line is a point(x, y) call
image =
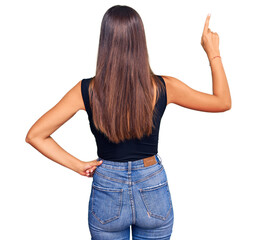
point(149, 161)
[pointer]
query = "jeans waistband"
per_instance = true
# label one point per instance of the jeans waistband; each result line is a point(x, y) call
point(137, 163)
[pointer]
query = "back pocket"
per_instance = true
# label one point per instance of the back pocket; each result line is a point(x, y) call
point(106, 203)
point(157, 200)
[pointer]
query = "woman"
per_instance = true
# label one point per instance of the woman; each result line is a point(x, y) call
point(125, 102)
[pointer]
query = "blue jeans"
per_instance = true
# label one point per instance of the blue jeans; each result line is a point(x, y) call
point(128, 193)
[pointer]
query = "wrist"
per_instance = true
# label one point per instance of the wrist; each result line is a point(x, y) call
point(212, 55)
point(213, 59)
point(77, 166)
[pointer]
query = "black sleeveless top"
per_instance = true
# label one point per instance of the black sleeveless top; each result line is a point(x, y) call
point(129, 150)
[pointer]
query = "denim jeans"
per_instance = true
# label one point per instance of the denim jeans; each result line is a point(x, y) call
point(128, 193)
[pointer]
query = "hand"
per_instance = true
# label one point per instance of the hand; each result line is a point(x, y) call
point(88, 168)
point(210, 40)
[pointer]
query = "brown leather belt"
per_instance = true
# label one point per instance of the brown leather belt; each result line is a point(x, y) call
point(149, 161)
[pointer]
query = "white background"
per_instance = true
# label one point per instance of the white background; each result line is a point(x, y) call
point(210, 158)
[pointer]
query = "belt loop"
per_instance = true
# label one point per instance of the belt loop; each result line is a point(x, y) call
point(159, 157)
point(129, 167)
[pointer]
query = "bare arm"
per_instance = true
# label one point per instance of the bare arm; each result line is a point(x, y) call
point(183, 95)
point(220, 86)
point(210, 43)
point(39, 135)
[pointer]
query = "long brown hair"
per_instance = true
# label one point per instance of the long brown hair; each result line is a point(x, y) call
point(122, 96)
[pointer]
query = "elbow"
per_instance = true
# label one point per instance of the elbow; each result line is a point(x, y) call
point(30, 135)
point(27, 139)
point(32, 138)
point(227, 107)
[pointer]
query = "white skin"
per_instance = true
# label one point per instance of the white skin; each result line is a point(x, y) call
point(39, 135)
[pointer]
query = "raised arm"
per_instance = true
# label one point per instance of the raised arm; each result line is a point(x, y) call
point(183, 95)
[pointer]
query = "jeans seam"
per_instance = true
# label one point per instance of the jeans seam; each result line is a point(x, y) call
point(126, 182)
point(108, 189)
point(149, 176)
point(155, 187)
point(111, 179)
point(134, 168)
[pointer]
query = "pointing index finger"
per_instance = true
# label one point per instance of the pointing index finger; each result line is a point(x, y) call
point(206, 25)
